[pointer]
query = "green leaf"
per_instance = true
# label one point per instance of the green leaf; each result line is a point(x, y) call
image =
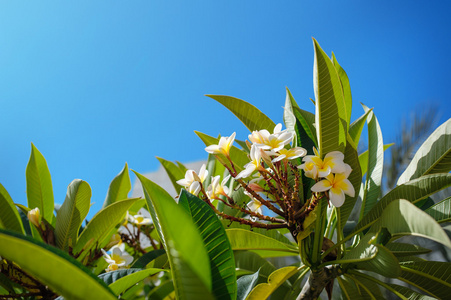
point(72, 213)
point(345, 86)
point(101, 225)
point(39, 185)
point(276, 279)
point(355, 129)
point(9, 216)
point(216, 243)
point(351, 290)
point(53, 267)
point(434, 156)
point(402, 218)
point(330, 115)
point(111, 277)
point(119, 187)
point(126, 282)
point(239, 157)
point(163, 291)
point(245, 284)
point(251, 116)
point(190, 269)
point(413, 191)
point(248, 262)
point(370, 257)
point(409, 294)
point(174, 173)
point(363, 159)
point(147, 258)
point(369, 284)
point(441, 212)
point(265, 246)
point(402, 249)
point(375, 164)
point(429, 276)
point(352, 159)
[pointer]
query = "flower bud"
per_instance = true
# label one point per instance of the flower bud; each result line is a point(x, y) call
point(34, 216)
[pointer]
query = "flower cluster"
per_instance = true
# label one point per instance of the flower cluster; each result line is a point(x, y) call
point(333, 173)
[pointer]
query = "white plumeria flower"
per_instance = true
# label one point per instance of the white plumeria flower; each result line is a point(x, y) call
point(215, 189)
point(118, 259)
point(254, 205)
point(290, 153)
point(191, 176)
point(255, 164)
point(194, 188)
point(275, 141)
point(315, 167)
point(223, 147)
point(139, 220)
point(338, 185)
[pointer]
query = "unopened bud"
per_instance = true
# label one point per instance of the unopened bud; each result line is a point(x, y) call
point(34, 216)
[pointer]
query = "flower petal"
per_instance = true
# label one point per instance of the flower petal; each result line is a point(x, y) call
point(321, 186)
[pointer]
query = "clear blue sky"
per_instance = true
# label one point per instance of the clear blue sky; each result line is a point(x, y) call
point(95, 84)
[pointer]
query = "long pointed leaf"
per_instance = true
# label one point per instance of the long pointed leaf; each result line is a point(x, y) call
point(433, 156)
point(39, 185)
point(251, 116)
point(216, 243)
point(355, 129)
point(72, 213)
point(245, 285)
point(119, 187)
point(413, 191)
point(191, 269)
point(9, 216)
point(174, 172)
point(441, 212)
point(330, 114)
point(126, 282)
point(53, 267)
point(346, 88)
point(276, 279)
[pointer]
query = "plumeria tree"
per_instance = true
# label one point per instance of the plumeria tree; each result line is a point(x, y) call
point(290, 212)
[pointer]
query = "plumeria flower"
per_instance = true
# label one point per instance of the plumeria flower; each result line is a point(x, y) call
point(254, 205)
point(215, 189)
point(34, 216)
point(118, 259)
point(315, 167)
point(290, 153)
point(255, 164)
point(338, 185)
point(275, 141)
point(194, 188)
point(114, 240)
point(191, 176)
point(139, 220)
point(223, 147)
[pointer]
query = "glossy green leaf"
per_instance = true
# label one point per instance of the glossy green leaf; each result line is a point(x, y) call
point(366, 282)
point(110, 277)
point(239, 157)
point(9, 216)
point(433, 156)
point(248, 262)
point(190, 269)
point(53, 267)
point(251, 116)
point(402, 249)
point(330, 114)
point(402, 218)
point(124, 283)
point(351, 290)
point(352, 159)
point(147, 258)
point(441, 212)
point(72, 213)
point(345, 87)
point(375, 164)
point(363, 159)
point(119, 187)
point(100, 225)
point(429, 276)
point(39, 185)
point(413, 191)
point(371, 257)
point(276, 279)
point(216, 243)
point(174, 172)
point(245, 284)
point(265, 246)
point(402, 291)
point(356, 127)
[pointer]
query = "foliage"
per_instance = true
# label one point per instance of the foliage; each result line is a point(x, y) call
point(271, 217)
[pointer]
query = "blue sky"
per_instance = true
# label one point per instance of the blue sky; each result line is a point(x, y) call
point(99, 83)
